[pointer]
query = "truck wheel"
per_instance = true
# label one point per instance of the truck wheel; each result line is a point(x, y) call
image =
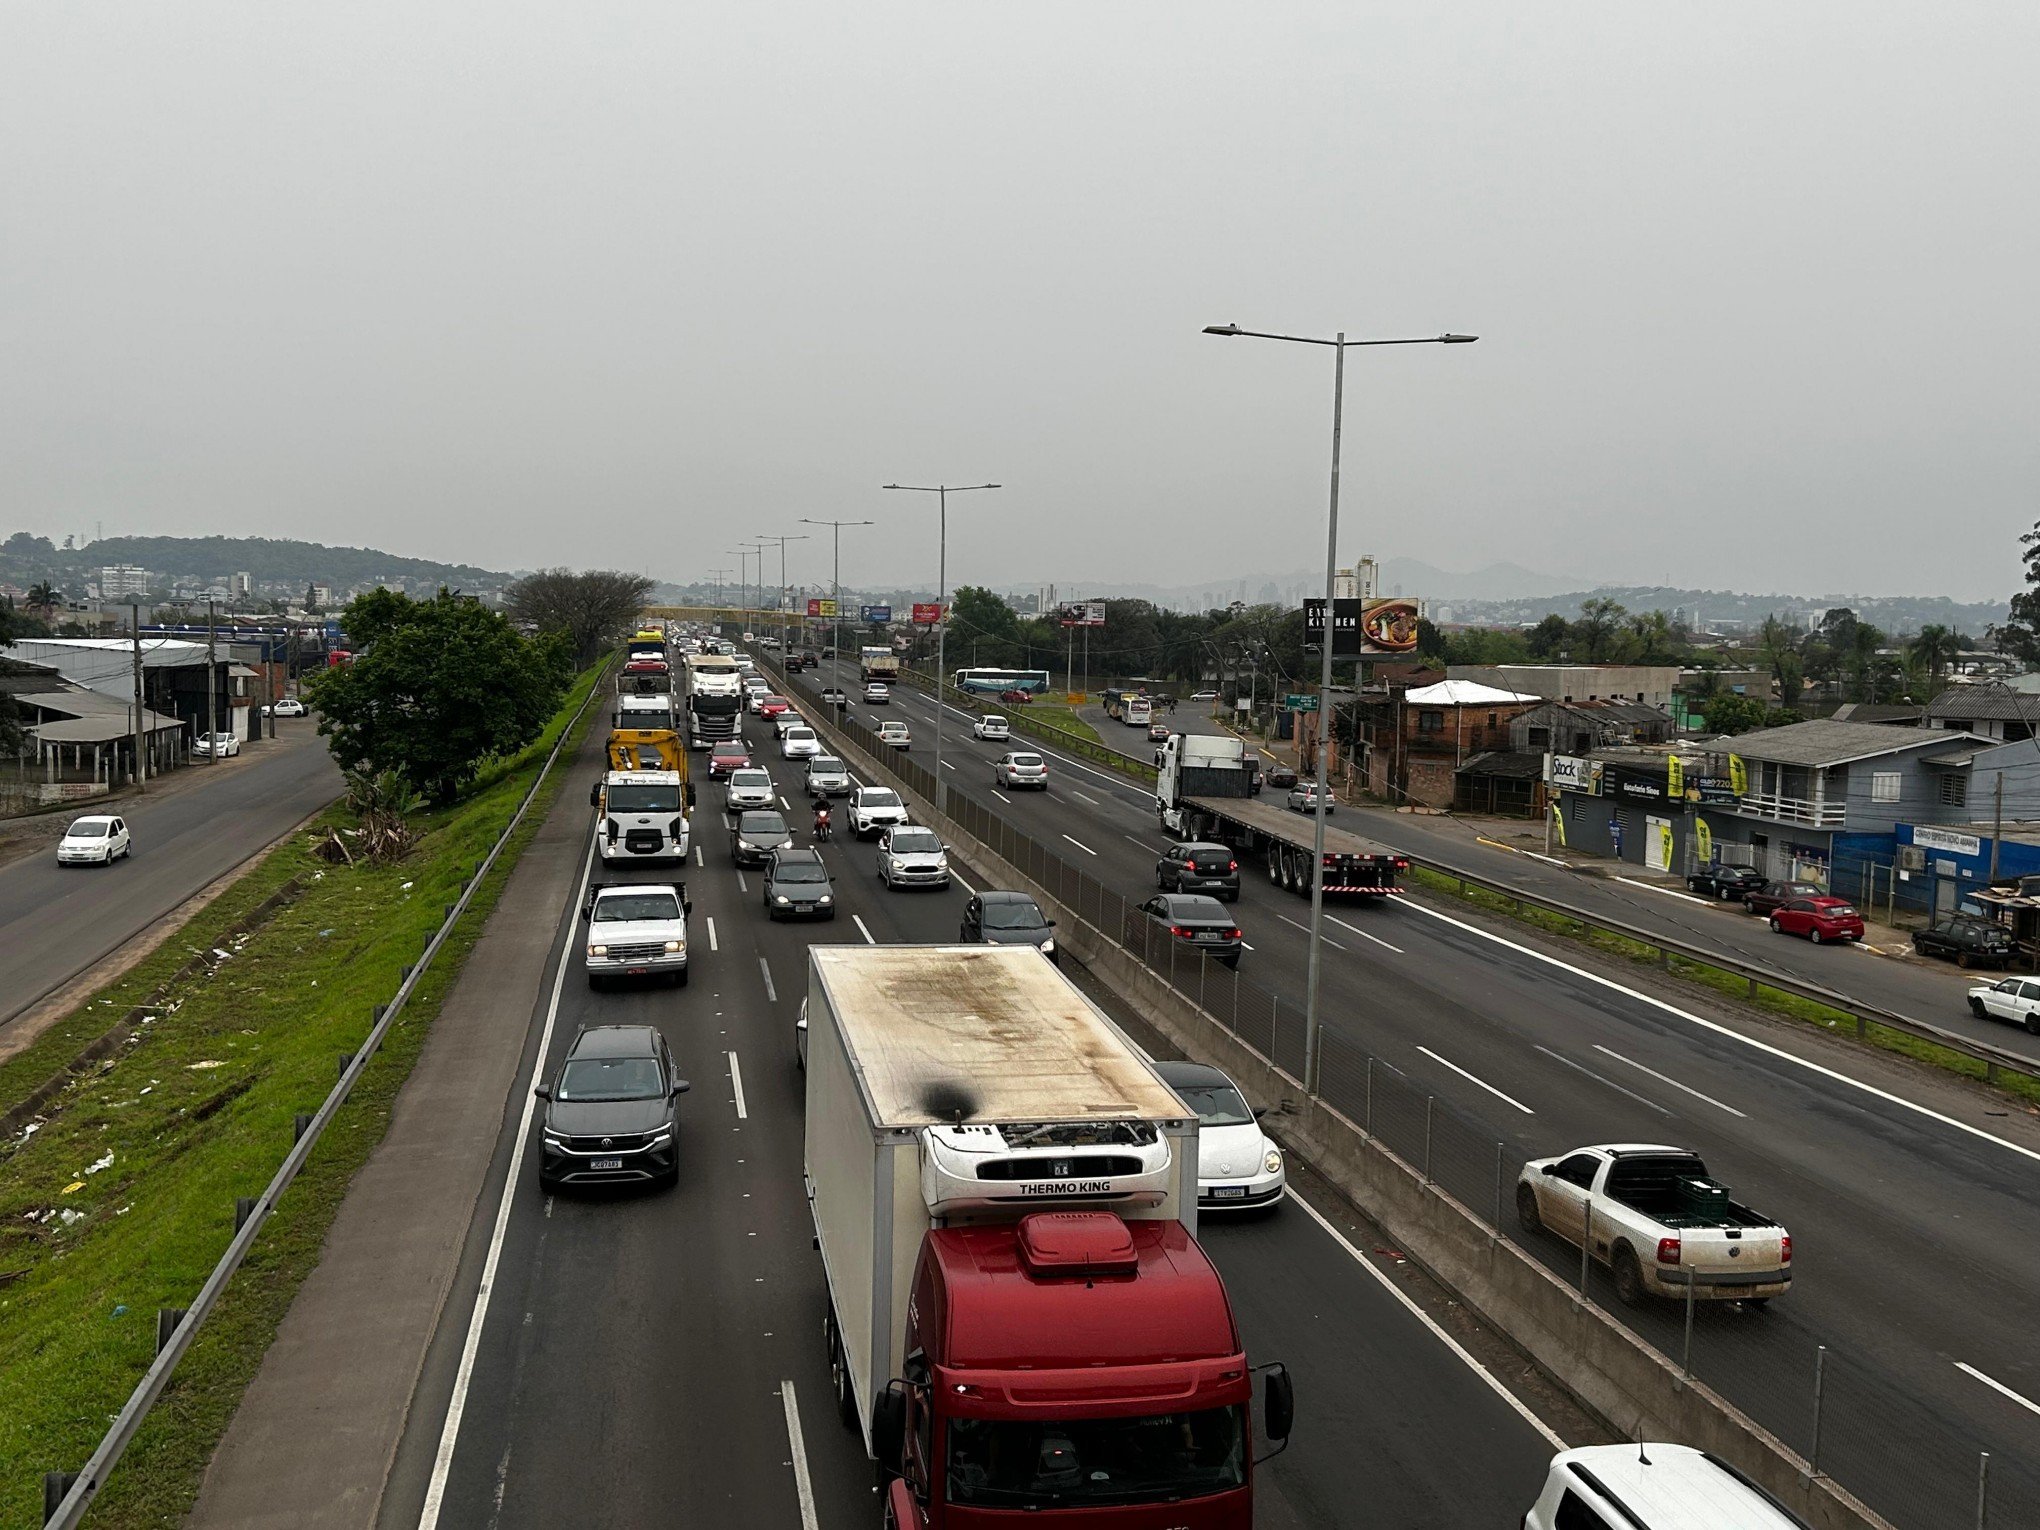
point(1628, 1277)
point(1527, 1214)
point(1274, 866)
point(839, 1378)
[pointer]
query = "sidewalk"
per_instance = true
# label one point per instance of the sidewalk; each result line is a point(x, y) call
point(315, 1435)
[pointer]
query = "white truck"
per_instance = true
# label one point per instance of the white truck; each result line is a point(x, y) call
point(641, 816)
point(1660, 1224)
point(636, 929)
point(1004, 1193)
point(715, 699)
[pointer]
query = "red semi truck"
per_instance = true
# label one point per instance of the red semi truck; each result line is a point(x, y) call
point(1004, 1195)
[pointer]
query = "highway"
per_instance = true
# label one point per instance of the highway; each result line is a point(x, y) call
point(191, 828)
point(1911, 1196)
point(643, 1357)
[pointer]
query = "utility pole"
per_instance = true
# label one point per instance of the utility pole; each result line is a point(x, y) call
point(141, 714)
point(1997, 824)
point(212, 688)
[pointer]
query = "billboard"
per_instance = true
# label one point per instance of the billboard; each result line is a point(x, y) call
point(1571, 773)
point(1363, 627)
point(1081, 613)
point(821, 607)
point(874, 613)
point(927, 613)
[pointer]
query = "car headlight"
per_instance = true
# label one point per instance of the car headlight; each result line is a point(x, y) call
point(660, 1138)
point(555, 1139)
point(598, 950)
point(676, 945)
point(1272, 1164)
point(745, 844)
point(826, 898)
point(1048, 946)
point(781, 898)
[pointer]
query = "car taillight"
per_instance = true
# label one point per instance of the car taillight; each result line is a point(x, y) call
point(1232, 934)
point(1785, 1248)
point(1177, 929)
point(1401, 864)
point(1668, 1251)
point(1232, 865)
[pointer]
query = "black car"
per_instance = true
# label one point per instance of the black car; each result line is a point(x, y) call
point(797, 884)
point(1199, 866)
point(754, 837)
point(1197, 921)
point(609, 1115)
point(1008, 919)
point(1729, 883)
point(1767, 900)
point(1968, 939)
point(1281, 777)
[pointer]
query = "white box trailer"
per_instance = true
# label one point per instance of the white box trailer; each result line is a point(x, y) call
point(952, 1085)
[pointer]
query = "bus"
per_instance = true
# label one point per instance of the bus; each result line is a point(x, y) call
point(994, 682)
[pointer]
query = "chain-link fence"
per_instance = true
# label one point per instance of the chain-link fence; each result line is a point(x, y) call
point(1918, 1456)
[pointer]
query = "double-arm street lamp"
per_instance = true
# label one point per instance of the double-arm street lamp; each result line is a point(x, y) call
point(836, 627)
point(1339, 344)
point(785, 619)
point(943, 491)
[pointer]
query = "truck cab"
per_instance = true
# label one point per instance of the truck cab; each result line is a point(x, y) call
point(642, 816)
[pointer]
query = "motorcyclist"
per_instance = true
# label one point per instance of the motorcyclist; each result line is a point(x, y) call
point(821, 820)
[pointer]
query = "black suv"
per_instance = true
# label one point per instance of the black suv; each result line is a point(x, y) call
point(1199, 866)
point(1725, 882)
point(609, 1115)
point(1968, 939)
point(796, 882)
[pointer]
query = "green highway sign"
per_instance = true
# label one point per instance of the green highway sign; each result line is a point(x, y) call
point(1300, 703)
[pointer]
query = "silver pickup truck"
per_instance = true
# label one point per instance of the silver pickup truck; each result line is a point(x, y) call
point(1661, 1225)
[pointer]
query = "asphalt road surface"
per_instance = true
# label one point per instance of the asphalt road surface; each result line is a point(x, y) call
point(58, 922)
point(642, 1354)
point(1911, 1197)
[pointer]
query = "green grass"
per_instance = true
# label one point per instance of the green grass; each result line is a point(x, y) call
point(197, 1112)
point(1056, 715)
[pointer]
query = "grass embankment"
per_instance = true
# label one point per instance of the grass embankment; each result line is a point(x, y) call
point(123, 1200)
point(1055, 715)
point(1792, 1006)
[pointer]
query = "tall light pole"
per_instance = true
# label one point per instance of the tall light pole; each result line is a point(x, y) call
point(836, 624)
point(782, 541)
point(1339, 344)
point(942, 491)
point(744, 572)
point(718, 575)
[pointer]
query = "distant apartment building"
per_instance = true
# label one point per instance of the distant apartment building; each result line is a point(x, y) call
point(242, 584)
point(122, 581)
point(322, 596)
point(1361, 582)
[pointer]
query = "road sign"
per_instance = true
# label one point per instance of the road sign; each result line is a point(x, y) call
point(1300, 703)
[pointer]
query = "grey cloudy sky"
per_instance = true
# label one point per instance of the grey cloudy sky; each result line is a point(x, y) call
point(522, 284)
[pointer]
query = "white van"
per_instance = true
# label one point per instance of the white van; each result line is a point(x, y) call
point(1652, 1487)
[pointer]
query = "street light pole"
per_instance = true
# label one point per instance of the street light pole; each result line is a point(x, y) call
point(782, 541)
point(942, 491)
point(836, 624)
point(1324, 714)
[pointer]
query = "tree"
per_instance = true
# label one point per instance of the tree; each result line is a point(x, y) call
point(1600, 620)
point(373, 615)
point(2020, 634)
point(1729, 713)
point(1934, 648)
point(981, 622)
point(43, 598)
point(11, 737)
point(1550, 637)
point(438, 693)
point(312, 607)
point(593, 611)
point(1779, 645)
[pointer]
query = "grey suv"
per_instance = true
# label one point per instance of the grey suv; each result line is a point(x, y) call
point(609, 1114)
point(1198, 866)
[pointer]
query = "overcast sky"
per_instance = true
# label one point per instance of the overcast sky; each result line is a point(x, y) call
point(521, 284)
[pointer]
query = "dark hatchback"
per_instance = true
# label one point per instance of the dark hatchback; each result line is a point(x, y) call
point(1772, 896)
point(1281, 777)
point(996, 918)
point(1728, 883)
point(609, 1115)
point(1198, 921)
point(797, 886)
point(755, 836)
point(1970, 941)
point(1199, 866)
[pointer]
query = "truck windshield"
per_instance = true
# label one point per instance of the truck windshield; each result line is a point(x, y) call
point(1010, 1463)
point(624, 798)
point(633, 906)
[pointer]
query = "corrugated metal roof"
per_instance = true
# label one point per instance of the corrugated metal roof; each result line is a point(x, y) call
point(1826, 742)
point(1463, 693)
point(1981, 703)
point(1505, 762)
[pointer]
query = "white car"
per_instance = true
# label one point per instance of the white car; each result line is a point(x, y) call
point(799, 743)
point(1204, 695)
point(96, 840)
point(874, 808)
point(827, 777)
point(1309, 797)
point(1019, 769)
point(876, 694)
point(896, 734)
point(636, 929)
point(215, 745)
point(911, 856)
point(290, 706)
point(1651, 1486)
point(748, 789)
point(991, 726)
point(1237, 1166)
point(2013, 999)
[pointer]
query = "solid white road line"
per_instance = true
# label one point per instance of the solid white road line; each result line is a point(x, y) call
point(737, 1086)
point(711, 934)
point(1459, 1350)
point(1306, 930)
point(1398, 950)
point(1005, 799)
point(1731, 1034)
point(1662, 1079)
point(449, 1434)
point(788, 806)
point(1560, 1057)
point(1472, 1079)
point(1995, 1385)
point(771, 993)
point(1669, 892)
point(803, 1489)
point(869, 938)
point(1132, 841)
point(957, 877)
point(1080, 845)
point(1082, 798)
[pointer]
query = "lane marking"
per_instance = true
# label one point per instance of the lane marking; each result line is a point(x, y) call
point(1080, 845)
point(788, 806)
point(742, 885)
point(1669, 892)
point(1398, 950)
point(802, 1487)
point(1082, 798)
point(1132, 841)
point(1560, 1057)
point(947, 766)
point(737, 1085)
point(1306, 930)
point(456, 1407)
point(765, 967)
point(697, 857)
point(1521, 1408)
point(1005, 799)
point(711, 934)
point(957, 877)
point(869, 938)
point(1731, 1034)
point(1662, 1079)
point(1472, 1079)
point(2025, 1402)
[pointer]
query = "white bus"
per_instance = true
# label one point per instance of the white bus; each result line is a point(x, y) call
point(993, 682)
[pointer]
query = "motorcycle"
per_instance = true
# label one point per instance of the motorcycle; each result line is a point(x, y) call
point(821, 824)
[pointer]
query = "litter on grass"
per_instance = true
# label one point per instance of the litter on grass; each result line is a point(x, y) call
point(200, 1067)
point(76, 1184)
point(103, 1163)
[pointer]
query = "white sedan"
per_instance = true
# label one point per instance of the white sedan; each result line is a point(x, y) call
point(290, 706)
point(799, 743)
point(2013, 999)
point(895, 734)
point(1237, 1166)
point(97, 840)
point(215, 745)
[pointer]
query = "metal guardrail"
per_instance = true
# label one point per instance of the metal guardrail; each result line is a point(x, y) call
point(67, 1495)
point(1075, 743)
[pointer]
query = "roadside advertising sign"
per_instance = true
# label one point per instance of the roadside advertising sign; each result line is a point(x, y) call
point(1573, 773)
point(1738, 776)
point(1363, 627)
point(1632, 786)
point(821, 608)
point(874, 613)
point(1081, 613)
point(927, 613)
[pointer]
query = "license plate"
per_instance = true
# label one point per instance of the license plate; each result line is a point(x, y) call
point(605, 1163)
point(635, 971)
point(1229, 1193)
point(1208, 935)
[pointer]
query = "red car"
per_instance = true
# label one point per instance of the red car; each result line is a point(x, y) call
point(1016, 698)
point(724, 758)
point(770, 707)
point(1818, 919)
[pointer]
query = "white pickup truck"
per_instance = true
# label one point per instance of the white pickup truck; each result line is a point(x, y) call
point(1659, 1223)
